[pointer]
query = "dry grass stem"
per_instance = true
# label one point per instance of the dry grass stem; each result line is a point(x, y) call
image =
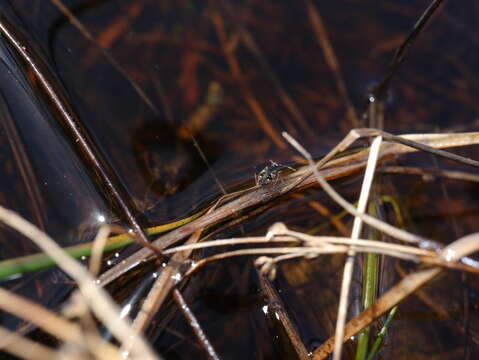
point(165, 283)
point(166, 280)
point(24, 348)
point(232, 53)
point(378, 224)
point(39, 316)
point(356, 232)
point(61, 328)
point(300, 179)
point(195, 325)
point(308, 247)
point(308, 241)
point(428, 274)
point(314, 251)
point(404, 288)
point(97, 249)
point(98, 300)
point(430, 174)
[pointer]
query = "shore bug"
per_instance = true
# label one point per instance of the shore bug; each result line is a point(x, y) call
point(270, 173)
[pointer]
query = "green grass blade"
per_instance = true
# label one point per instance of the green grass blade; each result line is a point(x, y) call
point(382, 333)
point(25, 264)
point(370, 282)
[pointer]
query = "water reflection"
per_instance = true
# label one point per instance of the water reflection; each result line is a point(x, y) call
point(42, 179)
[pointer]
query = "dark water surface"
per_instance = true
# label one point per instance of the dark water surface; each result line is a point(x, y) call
point(193, 96)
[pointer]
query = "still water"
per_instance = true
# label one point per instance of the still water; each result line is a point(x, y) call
point(190, 100)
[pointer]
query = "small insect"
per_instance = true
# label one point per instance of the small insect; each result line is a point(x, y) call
point(270, 173)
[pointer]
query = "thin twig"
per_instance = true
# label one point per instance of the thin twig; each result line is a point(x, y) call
point(380, 91)
point(195, 325)
point(24, 348)
point(275, 307)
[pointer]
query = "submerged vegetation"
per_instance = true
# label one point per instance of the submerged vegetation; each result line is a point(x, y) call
point(189, 155)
